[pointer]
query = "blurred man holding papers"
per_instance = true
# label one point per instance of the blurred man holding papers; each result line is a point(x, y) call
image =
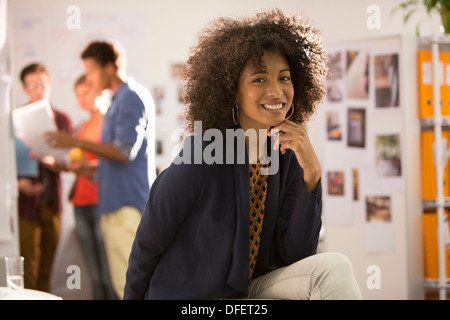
point(40, 195)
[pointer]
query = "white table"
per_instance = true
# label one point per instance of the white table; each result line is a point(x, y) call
point(28, 294)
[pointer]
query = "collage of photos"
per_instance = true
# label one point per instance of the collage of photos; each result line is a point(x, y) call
point(360, 84)
point(169, 108)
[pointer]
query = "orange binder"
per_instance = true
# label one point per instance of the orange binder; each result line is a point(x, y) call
point(445, 88)
point(430, 246)
point(426, 101)
point(429, 191)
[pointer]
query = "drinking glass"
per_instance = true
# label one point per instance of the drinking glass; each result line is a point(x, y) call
point(14, 273)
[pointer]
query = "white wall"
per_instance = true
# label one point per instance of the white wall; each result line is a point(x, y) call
point(167, 28)
point(8, 186)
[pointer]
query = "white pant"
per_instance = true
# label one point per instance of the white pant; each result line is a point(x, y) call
point(318, 277)
point(119, 230)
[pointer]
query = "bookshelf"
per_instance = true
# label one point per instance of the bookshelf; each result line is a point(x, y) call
point(437, 121)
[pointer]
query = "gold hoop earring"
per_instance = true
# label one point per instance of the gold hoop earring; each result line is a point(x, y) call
point(292, 112)
point(235, 118)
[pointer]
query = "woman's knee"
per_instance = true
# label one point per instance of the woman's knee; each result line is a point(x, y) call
point(338, 260)
point(331, 262)
point(335, 277)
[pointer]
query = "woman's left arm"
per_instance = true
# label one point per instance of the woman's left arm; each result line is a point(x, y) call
point(300, 220)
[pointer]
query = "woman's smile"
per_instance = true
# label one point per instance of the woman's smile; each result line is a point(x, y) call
point(274, 107)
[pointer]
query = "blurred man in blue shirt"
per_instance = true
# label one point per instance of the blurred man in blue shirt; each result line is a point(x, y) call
point(127, 161)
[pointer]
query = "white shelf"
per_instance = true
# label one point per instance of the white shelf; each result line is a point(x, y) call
point(427, 124)
point(443, 40)
point(430, 204)
point(434, 283)
point(437, 43)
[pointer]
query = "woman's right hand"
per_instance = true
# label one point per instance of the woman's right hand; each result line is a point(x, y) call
point(86, 168)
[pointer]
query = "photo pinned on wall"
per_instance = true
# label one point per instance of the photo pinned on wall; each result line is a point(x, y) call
point(355, 176)
point(158, 96)
point(335, 182)
point(334, 131)
point(378, 208)
point(177, 70)
point(335, 77)
point(379, 230)
point(182, 121)
point(159, 147)
point(386, 75)
point(358, 74)
point(181, 93)
point(356, 127)
point(388, 155)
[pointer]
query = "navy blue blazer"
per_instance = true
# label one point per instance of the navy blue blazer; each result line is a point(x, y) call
point(193, 238)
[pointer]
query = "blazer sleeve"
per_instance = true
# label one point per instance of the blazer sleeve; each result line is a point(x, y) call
point(299, 220)
point(171, 197)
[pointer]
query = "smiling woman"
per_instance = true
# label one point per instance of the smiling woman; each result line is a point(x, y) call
point(233, 230)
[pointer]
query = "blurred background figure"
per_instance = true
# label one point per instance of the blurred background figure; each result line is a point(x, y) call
point(40, 192)
point(126, 153)
point(84, 194)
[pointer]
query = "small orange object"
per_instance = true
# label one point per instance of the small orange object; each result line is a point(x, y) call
point(76, 154)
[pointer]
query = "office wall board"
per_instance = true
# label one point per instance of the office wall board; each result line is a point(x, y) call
point(379, 222)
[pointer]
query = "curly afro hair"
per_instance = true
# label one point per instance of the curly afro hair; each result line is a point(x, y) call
point(228, 45)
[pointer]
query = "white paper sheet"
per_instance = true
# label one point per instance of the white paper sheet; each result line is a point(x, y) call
point(31, 121)
point(338, 191)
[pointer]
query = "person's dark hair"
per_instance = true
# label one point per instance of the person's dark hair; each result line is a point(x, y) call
point(81, 80)
point(102, 52)
point(31, 68)
point(228, 45)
